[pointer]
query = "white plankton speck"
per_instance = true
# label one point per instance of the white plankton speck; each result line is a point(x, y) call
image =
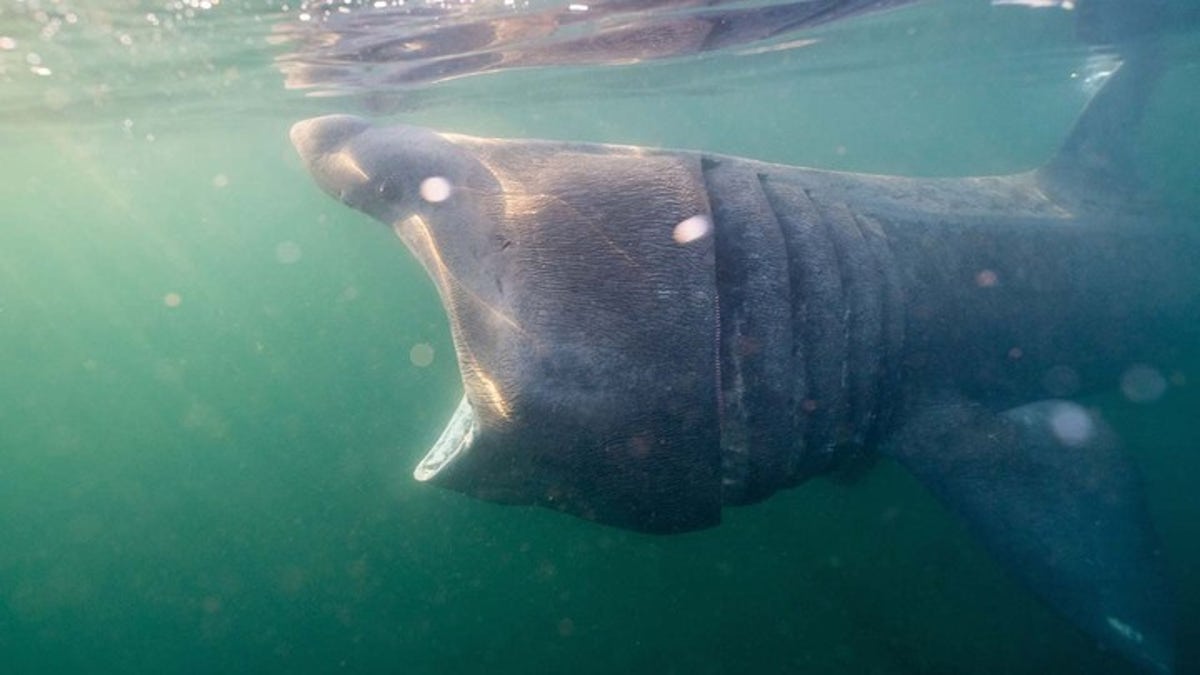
point(691, 229)
point(1071, 424)
point(421, 354)
point(288, 252)
point(1143, 384)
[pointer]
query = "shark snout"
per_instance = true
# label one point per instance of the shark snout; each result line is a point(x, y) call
point(319, 136)
point(388, 173)
point(330, 149)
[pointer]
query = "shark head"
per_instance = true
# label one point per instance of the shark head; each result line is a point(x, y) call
point(584, 327)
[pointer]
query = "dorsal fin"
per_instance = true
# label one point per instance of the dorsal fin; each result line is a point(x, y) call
point(1096, 161)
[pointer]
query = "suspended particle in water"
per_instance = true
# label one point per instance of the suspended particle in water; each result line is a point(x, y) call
point(691, 229)
point(56, 98)
point(1143, 384)
point(986, 279)
point(220, 180)
point(287, 252)
point(7, 44)
point(1125, 630)
point(172, 299)
point(1071, 424)
point(435, 189)
point(421, 354)
point(1061, 381)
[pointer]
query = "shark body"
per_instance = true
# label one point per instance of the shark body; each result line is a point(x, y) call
point(647, 336)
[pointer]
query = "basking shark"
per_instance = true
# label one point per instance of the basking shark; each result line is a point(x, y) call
point(646, 336)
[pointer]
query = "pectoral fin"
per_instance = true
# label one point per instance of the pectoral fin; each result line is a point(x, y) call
point(1048, 490)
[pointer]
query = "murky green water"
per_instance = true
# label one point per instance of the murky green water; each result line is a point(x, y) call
point(214, 380)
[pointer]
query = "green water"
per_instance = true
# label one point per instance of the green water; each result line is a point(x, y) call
point(210, 402)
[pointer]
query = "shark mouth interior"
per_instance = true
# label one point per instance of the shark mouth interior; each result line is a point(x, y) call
point(454, 442)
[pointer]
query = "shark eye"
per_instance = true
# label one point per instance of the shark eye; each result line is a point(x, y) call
point(390, 189)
